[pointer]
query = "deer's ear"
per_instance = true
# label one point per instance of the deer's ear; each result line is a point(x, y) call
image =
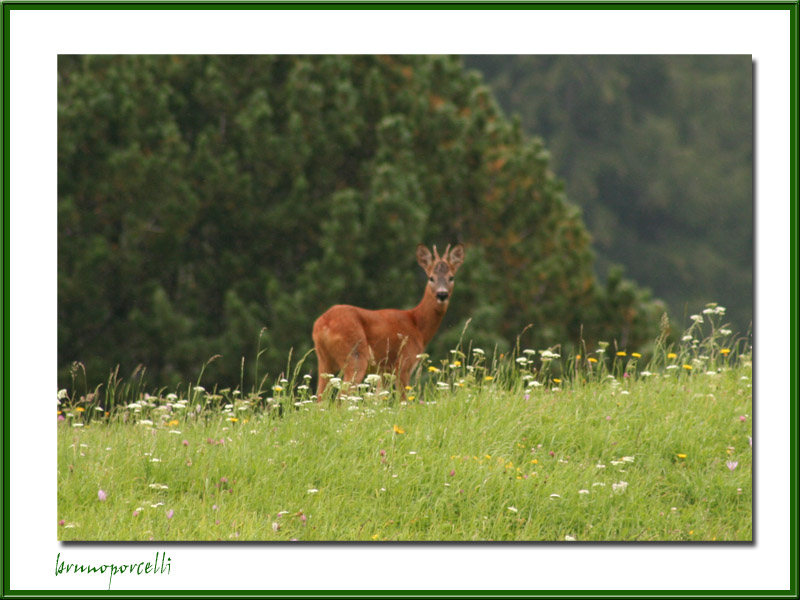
point(424, 257)
point(456, 257)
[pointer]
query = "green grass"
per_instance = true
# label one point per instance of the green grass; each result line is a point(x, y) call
point(501, 452)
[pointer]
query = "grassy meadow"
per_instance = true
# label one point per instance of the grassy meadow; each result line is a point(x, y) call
point(530, 446)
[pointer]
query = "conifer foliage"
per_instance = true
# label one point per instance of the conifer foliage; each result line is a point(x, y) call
point(205, 198)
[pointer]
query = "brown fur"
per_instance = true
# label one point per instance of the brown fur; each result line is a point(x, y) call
point(356, 340)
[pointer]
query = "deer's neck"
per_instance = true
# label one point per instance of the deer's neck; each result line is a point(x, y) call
point(428, 316)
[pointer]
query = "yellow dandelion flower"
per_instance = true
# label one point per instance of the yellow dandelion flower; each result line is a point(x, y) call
point(408, 387)
point(397, 429)
point(534, 462)
point(488, 378)
point(80, 409)
point(682, 455)
point(375, 537)
point(578, 357)
point(173, 423)
point(636, 355)
point(59, 412)
point(622, 353)
point(725, 351)
point(687, 367)
point(457, 363)
point(233, 419)
point(411, 398)
point(556, 380)
point(672, 355)
point(488, 455)
point(691, 531)
point(592, 360)
point(432, 369)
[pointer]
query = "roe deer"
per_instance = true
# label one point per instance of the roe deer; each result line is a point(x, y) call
point(356, 340)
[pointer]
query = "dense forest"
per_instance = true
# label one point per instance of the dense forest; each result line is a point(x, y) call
point(216, 205)
point(658, 153)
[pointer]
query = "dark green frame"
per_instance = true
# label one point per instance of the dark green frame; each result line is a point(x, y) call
point(790, 5)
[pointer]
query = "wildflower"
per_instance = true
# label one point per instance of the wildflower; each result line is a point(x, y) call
point(554, 496)
point(591, 359)
point(732, 464)
point(696, 318)
point(749, 439)
point(185, 442)
point(276, 527)
point(313, 491)
point(622, 353)
point(672, 355)
point(636, 355)
point(578, 357)
point(681, 455)
point(397, 429)
point(79, 409)
point(534, 462)
point(455, 364)
point(488, 378)
point(687, 338)
point(232, 419)
point(619, 487)
point(199, 388)
point(628, 459)
point(101, 495)
point(170, 513)
point(556, 380)
point(477, 351)
point(522, 360)
point(583, 491)
point(62, 395)
point(277, 388)
point(743, 418)
point(569, 538)
point(512, 509)
point(725, 351)
point(548, 355)
point(688, 367)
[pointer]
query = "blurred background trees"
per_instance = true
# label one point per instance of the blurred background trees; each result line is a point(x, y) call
point(658, 153)
point(204, 198)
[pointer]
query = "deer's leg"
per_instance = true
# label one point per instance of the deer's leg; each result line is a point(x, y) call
point(355, 368)
point(404, 369)
point(323, 367)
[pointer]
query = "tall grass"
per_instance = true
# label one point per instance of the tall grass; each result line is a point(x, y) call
point(528, 446)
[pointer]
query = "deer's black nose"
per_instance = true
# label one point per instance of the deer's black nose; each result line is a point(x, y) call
point(442, 296)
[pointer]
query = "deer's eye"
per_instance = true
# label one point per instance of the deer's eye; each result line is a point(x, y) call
point(451, 278)
point(430, 279)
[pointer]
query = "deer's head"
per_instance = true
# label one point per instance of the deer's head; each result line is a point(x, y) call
point(441, 271)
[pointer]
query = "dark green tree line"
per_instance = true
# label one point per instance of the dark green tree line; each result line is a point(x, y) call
point(203, 198)
point(658, 153)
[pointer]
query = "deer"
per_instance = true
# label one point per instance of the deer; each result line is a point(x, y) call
point(355, 341)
